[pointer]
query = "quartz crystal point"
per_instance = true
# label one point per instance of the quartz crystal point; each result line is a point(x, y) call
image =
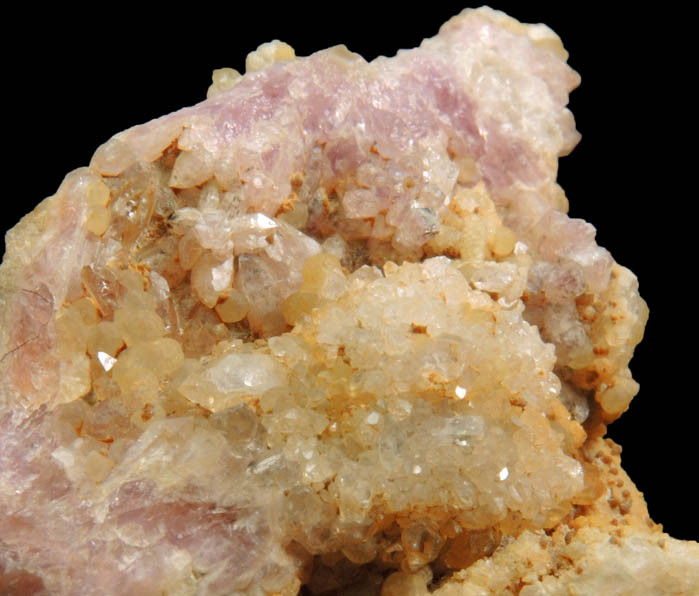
point(329, 330)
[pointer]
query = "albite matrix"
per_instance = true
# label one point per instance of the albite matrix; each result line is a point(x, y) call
point(329, 331)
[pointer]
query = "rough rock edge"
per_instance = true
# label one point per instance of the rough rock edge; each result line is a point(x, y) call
point(610, 547)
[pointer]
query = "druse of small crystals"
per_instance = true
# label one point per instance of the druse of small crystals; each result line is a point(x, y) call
point(331, 328)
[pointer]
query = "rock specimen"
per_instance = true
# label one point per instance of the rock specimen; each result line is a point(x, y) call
point(330, 330)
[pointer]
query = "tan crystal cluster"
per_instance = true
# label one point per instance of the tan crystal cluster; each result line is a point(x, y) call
point(282, 341)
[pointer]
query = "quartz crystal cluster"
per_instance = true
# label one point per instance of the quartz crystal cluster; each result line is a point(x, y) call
point(330, 331)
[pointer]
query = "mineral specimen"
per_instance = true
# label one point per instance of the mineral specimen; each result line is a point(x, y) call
point(330, 330)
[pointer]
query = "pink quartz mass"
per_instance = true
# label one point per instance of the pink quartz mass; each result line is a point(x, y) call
point(420, 109)
point(416, 107)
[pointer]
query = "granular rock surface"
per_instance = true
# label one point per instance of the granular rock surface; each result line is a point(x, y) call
point(329, 331)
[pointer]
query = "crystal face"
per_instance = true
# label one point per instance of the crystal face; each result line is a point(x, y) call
point(330, 328)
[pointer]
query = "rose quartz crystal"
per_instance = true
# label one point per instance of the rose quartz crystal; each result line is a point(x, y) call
point(329, 330)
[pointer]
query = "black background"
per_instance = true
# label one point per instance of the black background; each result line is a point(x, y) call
point(72, 80)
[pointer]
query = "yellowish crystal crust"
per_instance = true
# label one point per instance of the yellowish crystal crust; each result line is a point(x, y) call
point(386, 400)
